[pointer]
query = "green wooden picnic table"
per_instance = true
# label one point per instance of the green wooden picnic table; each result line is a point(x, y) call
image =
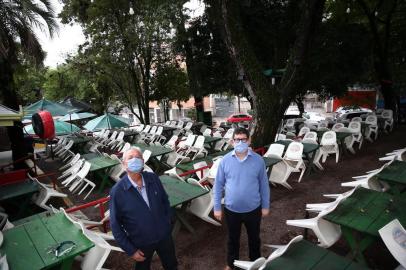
point(168, 131)
point(156, 151)
point(79, 142)
point(364, 213)
point(100, 165)
point(395, 176)
point(211, 141)
point(270, 161)
point(27, 246)
point(304, 255)
point(188, 166)
point(130, 135)
point(309, 150)
point(18, 195)
point(180, 193)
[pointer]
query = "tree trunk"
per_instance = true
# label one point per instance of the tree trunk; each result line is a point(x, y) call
point(269, 102)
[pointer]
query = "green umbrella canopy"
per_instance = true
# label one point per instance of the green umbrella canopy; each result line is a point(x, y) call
point(54, 108)
point(76, 116)
point(61, 128)
point(108, 121)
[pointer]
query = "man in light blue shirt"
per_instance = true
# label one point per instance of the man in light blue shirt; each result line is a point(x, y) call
point(242, 178)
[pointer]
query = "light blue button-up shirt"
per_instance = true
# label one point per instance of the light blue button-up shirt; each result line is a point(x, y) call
point(244, 183)
point(142, 190)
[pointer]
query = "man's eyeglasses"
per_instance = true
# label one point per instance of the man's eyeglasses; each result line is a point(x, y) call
point(241, 140)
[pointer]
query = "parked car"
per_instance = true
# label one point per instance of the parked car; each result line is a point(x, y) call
point(313, 118)
point(236, 118)
point(352, 111)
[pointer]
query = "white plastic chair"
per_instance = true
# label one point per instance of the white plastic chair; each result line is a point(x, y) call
point(126, 147)
point(275, 150)
point(388, 116)
point(372, 128)
point(81, 183)
point(207, 132)
point(185, 145)
point(109, 139)
point(280, 137)
point(356, 119)
point(396, 155)
point(80, 174)
point(117, 171)
point(327, 233)
point(261, 263)
point(337, 126)
point(228, 138)
point(394, 236)
point(72, 170)
point(303, 131)
point(203, 174)
point(180, 124)
point(71, 162)
point(203, 205)
point(172, 142)
point(318, 207)
point(197, 149)
point(355, 129)
point(289, 125)
point(328, 145)
point(95, 258)
point(45, 193)
point(62, 153)
point(291, 162)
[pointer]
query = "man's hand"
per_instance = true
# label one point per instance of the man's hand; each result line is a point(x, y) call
point(138, 256)
point(218, 215)
point(265, 212)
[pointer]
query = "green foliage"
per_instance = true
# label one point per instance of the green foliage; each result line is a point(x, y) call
point(170, 82)
point(29, 82)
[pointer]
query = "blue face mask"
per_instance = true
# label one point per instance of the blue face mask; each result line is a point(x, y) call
point(135, 165)
point(241, 147)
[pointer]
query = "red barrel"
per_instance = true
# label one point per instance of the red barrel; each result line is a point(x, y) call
point(43, 125)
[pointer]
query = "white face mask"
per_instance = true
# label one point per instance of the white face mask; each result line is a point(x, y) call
point(241, 147)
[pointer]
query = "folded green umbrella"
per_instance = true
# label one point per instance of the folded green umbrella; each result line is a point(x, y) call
point(61, 128)
point(107, 121)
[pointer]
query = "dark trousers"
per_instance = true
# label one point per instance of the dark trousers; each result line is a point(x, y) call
point(252, 222)
point(166, 252)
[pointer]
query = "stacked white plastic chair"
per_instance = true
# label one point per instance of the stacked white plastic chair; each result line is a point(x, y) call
point(303, 131)
point(262, 263)
point(337, 126)
point(197, 149)
point(289, 126)
point(327, 233)
point(291, 162)
point(399, 154)
point(117, 171)
point(45, 193)
point(356, 137)
point(228, 138)
point(311, 138)
point(203, 205)
point(388, 116)
point(328, 145)
point(64, 151)
point(372, 128)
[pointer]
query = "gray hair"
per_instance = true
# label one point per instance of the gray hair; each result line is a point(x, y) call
point(132, 149)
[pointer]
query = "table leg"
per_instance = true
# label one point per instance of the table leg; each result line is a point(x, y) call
point(180, 220)
point(358, 246)
point(310, 159)
point(67, 264)
point(105, 180)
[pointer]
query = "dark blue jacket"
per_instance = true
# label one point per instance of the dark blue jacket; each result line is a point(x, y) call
point(133, 223)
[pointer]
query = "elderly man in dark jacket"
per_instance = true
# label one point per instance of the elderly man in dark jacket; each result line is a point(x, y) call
point(140, 215)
